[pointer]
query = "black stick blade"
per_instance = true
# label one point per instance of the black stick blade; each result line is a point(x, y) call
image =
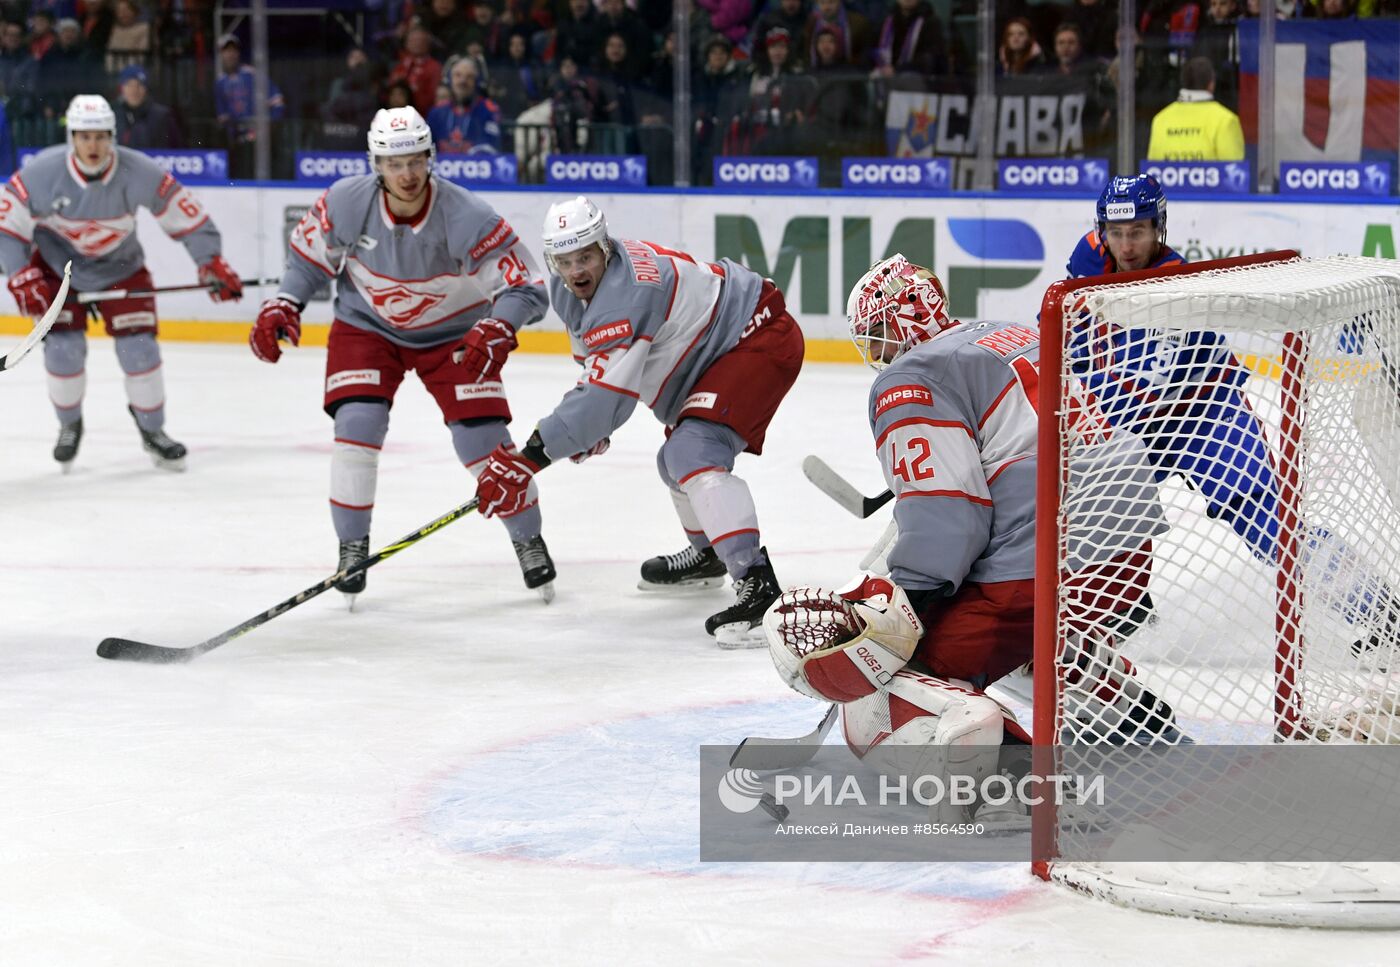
point(124, 649)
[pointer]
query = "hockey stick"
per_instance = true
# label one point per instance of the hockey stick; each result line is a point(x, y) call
point(782, 754)
point(124, 649)
point(41, 328)
point(109, 294)
point(836, 487)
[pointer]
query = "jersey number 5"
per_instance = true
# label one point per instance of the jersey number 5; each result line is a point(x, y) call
point(913, 463)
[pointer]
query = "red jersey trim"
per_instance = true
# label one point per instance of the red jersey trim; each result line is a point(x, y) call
point(955, 494)
point(197, 225)
point(923, 421)
point(995, 403)
point(997, 472)
point(308, 258)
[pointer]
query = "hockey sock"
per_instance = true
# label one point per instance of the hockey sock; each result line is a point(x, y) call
point(65, 359)
point(689, 522)
point(697, 459)
point(474, 440)
point(360, 429)
point(725, 509)
point(139, 357)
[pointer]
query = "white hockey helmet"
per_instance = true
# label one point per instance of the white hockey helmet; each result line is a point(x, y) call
point(89, 112)
point(896, 304)
point(399, 131)
point(573, 225)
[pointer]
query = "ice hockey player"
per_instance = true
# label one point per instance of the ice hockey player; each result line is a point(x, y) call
point(1184, 397)
point(712, 350)
point(78, 202)
point(431, 279)
point(910, 654)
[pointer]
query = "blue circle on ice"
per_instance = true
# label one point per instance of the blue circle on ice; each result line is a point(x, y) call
point(625, 794)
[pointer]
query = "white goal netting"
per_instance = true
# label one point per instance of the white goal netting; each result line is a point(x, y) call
point(1266, 610)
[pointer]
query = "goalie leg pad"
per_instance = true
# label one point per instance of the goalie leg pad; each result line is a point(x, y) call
point(139, 357)
point(474, 440)
point(65, 360)
point(360, 429)
point(935, 728)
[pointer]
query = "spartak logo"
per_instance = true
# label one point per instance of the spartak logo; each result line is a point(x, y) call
point(401, 306)
point(90, 237)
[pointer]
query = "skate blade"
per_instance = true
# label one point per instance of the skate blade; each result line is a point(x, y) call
point(174, 466)
point(739, 635)
point(698, 584)
point(546, 592)
point(65, 467)
point(350, 600)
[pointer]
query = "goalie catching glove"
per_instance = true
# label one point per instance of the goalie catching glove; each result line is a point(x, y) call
point(842, 645)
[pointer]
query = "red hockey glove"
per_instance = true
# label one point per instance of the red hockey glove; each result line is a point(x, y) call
point(34, 290)
point(224, 283)
point(484, 348)
point(278, 319)
point(597, 449)
point(503, 487)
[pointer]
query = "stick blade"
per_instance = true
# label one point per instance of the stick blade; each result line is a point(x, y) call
point(124, 649)
point(781, 755)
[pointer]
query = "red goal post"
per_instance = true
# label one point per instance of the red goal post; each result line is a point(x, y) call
point(1272, 625)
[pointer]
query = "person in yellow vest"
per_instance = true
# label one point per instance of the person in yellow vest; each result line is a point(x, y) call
point(1196, 127)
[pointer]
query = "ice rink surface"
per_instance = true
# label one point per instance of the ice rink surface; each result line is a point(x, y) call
point(455, 773)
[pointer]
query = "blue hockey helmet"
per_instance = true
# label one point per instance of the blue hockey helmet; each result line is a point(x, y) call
point(1131, 199)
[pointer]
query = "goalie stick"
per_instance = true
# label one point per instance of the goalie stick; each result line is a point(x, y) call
point(41, 328)
point(108, 294)
point(124, 649)
point(836, 487)
point(778, 755)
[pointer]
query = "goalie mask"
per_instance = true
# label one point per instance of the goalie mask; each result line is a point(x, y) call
point(572, 225)
point(895, 306)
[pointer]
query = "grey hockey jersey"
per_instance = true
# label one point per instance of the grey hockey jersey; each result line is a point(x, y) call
point(51, 205)
point(657, 321)
point(420, 283)
point(955, 425)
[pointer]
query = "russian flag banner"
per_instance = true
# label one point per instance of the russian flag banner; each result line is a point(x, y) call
point(1337, 96)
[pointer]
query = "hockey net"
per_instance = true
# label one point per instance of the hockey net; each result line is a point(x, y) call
point(1268, 622)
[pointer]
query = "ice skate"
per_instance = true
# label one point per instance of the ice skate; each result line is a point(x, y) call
point(352, 553)
point(691, 569)
point(741, 624)
point(66, 449)
point(536, 566)
point(167, 454)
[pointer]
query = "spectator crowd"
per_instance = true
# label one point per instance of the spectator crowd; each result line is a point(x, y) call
point(591, 76)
